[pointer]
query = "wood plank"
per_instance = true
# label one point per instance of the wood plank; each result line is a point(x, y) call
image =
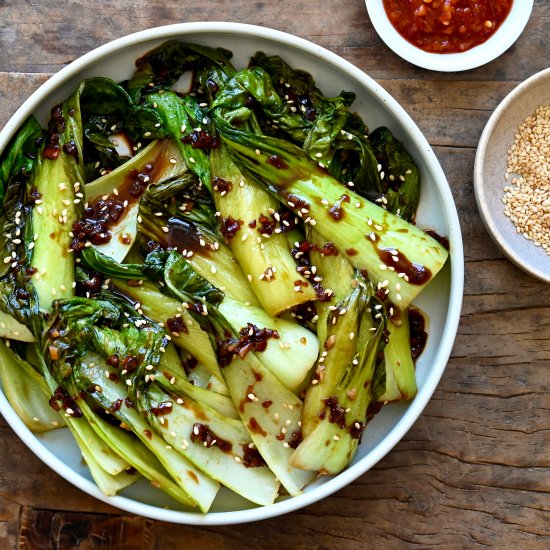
point(41, 529)
point(473, 471)
point(9, 521)
point(18, 87)
point(27, 481)
point(50, 26)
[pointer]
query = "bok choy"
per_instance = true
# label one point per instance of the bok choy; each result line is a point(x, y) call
point(211, 286)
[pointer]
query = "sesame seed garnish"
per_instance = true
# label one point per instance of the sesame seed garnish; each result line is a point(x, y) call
point(526, 200)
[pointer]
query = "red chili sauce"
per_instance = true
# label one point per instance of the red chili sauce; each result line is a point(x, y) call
point(446, 26)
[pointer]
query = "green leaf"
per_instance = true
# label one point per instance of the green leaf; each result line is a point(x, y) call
point(27, 392)
point(401, 182)
point(95, 260)
point(182, 280)
point(160, 68)
point(18, 157)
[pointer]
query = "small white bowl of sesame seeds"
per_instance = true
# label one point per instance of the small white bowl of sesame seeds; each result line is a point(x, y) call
point(512, 175)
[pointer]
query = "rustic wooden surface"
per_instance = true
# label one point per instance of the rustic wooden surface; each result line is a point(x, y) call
point(474, 470)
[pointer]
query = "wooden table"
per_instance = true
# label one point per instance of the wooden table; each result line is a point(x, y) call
point(474, 470)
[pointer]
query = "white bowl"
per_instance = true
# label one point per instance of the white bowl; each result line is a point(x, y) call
point(490, 166)
point(508, 32)
point(441, 301)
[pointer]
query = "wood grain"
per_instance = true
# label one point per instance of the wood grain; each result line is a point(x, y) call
point(473, 472)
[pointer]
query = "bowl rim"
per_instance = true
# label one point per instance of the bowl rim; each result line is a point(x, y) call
point(479, 180)
point(508, 32)
point(414, 409)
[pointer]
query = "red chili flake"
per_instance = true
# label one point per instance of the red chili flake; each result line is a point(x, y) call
point(22, 294)
point(130, 363)
point(251, 457)
point(115, 406)
point(201, 433)
point(177, 325)
point(337, 413)
point(305, 311)
point(297, 202)
point(70, 149)
point(230, 226)
point(251, 338)
point(51, 151)
point(220, 185)
point(328, 249)
point(189, 364)
point(295, 439)
point(67, 402)
point(267, 225)
point(200, 139)
point(93, 284)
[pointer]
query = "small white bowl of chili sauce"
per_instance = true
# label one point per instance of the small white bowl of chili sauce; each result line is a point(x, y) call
point(449, 35)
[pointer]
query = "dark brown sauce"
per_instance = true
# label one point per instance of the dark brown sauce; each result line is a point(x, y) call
point(337, 413)
point(337, 212)
point(255, 427)
point(417, 331)
point(417, 274)
point(257, 376)
point(193, 476)
point(246, 399)
point(443, 241)
point(163, 408)
point(251, 457)
point(201, 433)
point(276, 161)
point(183, 235)
point(106, 211)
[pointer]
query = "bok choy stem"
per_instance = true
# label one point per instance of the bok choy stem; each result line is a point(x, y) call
point(398, 257)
